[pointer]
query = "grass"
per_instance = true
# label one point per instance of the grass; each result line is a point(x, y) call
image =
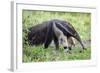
point(39, 54)
point(81, 22)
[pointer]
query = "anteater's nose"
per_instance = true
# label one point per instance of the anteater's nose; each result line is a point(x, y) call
point(65, 47)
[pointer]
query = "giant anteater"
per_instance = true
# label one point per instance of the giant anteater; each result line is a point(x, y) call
point(56, 30)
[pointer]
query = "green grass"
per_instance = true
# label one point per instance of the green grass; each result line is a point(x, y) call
point(81, 22)
point(39, 54)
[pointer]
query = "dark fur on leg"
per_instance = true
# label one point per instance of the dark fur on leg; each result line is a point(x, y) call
point(56, 42)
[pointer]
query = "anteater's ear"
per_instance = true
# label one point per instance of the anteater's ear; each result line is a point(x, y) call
point(49, 36)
